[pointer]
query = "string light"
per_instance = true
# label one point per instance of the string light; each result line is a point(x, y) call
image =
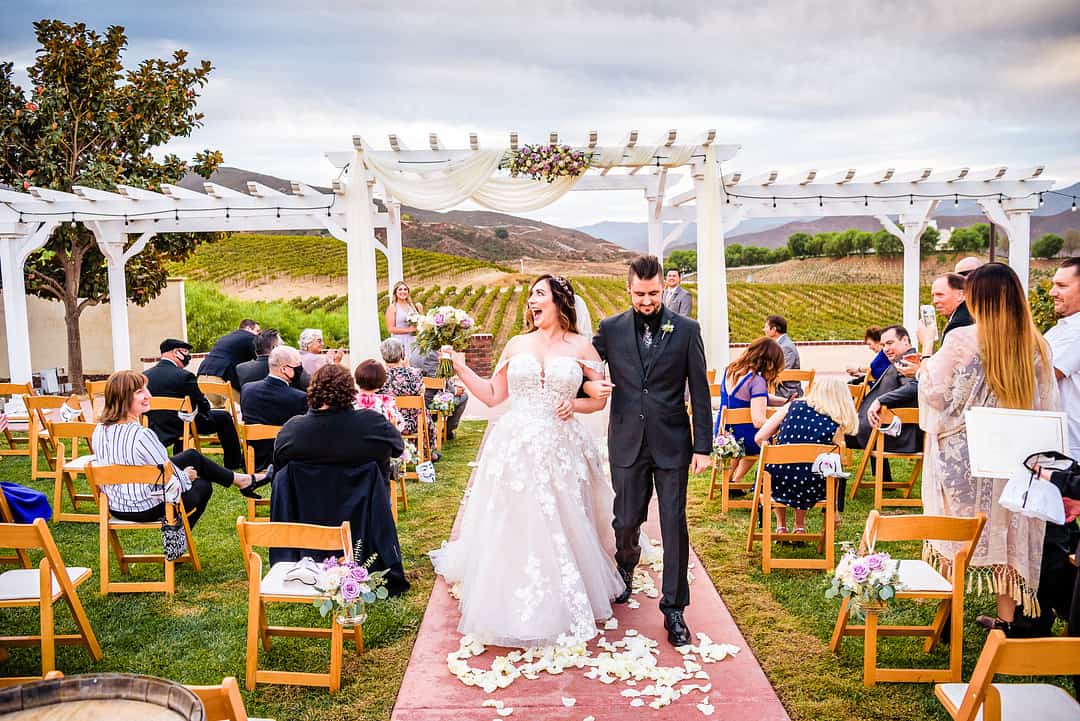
point(774, 201)
point(1074, 204)
point(956, 199)
point(820, 204)
point(226, 212)
point(866, 201)
point(911, 200)
point(1041, 201)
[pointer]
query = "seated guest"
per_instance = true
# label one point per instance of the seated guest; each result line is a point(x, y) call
point(311, 351)
point(332, 465)
point(429, 366)
point(966, 265)
point(401, 380)
point(256, 370)
point(892, 390)
point(947, 294)
point(119, 439)
point(169, 379)
point(745, 384)
point(370, 377)
point(273, 401)
point(230, 351)
point(880, 362)
point(776, 328)
point(823, 416)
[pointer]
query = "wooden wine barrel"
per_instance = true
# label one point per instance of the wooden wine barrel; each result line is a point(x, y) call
point(102, 696)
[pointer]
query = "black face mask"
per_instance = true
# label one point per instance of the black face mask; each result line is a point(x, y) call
point(297, 372)
point(184, 359)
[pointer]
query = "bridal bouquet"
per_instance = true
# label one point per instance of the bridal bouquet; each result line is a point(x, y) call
point(869, 579)
point(727, 447)
point(443, 326)
point(548, 162)
point(348, 586)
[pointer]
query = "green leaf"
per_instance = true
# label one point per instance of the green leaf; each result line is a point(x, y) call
point(381, 593)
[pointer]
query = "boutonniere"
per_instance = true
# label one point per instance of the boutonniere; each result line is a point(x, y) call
point(667, 327)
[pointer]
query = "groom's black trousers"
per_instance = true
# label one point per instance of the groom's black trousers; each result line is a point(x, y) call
point(633, 491)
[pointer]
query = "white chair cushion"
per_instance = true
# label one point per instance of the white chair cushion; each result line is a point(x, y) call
point(1024, 701)
point(22, 583)
point(78, 464)
point(716, 404)
point(274, 583)
point(921, 576)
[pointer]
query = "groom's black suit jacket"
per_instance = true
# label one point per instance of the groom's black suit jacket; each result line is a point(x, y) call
point(648, 401)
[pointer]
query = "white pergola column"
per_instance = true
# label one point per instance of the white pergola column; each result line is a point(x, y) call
point(395, 266)
point(1014, 217)
point(111, 239)
point(656, 236)
point(17, 241)
point(712, 268)
point(914, 224)
point(360, 244)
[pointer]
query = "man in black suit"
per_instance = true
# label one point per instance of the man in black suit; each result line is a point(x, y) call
point(947, 294)
point(272, 401)
point(169, 379)
point(229, 351)
point(255, 370)
point(892, 390)
point(653, 356)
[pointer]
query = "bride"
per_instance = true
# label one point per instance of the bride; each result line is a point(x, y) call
point(534, 557)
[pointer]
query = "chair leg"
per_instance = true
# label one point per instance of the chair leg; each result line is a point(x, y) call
point(48, 628)
point(85, 629)
point(404, 494)
point(754, 507)
point(265, 638)
point(358, 638)
point(840, 627)
point(766, 523)
point(712, 481)
point(829, 532)
point(393, 498)
point(879, 473)
point(193, 551)
point(857, 479)
point(870, 648)
point(915, 471)
point(104, 541)
point(118, 550)
point(956, 637)
point(251, 668)
point(938, 624)
point(337, 645)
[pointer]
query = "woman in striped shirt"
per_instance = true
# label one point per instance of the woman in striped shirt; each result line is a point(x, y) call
point(119, 439)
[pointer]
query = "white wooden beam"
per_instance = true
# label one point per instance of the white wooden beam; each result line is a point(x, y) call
point(51, 196)
point(395, 143)
point(993, 173)
point(844, 176)
point(948, 176)
point(433, 141)
point(513, 140)
point(911, 176)
point(177, 193)
point(592, 139)
point(258, 190)
point(875, 176)
point(220, 191)
point(138, 194)
point(553, 137)
point(1026, 173)
point(764, 179)
point(94, 194)
point(733, 179)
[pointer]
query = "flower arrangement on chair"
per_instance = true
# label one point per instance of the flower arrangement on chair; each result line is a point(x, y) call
point(443, 326)
point(867, 580)
point(348, 586)
point(548, 162)
point(444, 402)
point(726, 447)
point(408, 457)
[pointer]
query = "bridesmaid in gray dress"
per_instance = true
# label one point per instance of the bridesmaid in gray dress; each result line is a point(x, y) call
point(397, 318)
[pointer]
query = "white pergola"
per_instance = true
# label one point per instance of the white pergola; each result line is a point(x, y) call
point(437, 178)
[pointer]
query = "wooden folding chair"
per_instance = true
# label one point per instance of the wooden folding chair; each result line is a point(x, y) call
point(858, 391)
point(420, 438)
point(795, 374)
point(110, 527)
point(438, 417)
point(224, 390)
point(255, 432)
point(41, 410)
point(273, 588)
point(52, 581)
point(223, 702)
point(95, 390)
point(982, 698)
point(18, 445)
point(710, 375)
point(918, 580)
point(782, 455)
point(21, 557)
point(67, 469)
point(875, 447)
point(176, 405)
point(731, 416)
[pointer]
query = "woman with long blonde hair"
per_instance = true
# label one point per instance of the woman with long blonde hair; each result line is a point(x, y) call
point(1001, 361)
point(399, 309)
point(824, 415)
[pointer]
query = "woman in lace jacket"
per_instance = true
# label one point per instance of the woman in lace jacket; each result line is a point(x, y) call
point(1001, 361)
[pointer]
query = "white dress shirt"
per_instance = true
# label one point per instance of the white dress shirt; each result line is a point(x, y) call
point(1064, 340)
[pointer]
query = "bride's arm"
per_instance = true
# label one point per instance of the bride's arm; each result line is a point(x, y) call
point(489, 391)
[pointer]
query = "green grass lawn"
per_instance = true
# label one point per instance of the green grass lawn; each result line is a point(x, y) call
point(198, 636)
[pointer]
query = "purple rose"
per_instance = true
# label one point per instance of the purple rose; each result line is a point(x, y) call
point(440, 319)
point(859, 571)
point(330, 562)
point(359, 574)
point(466, 323)
point(350, 589)
point(875, 562)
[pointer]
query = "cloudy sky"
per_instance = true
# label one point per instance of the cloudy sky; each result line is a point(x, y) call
point(799, 84)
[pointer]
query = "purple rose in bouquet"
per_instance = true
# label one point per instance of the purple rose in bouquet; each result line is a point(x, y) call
point(330, 562)
point(875, 561)
point(860, 571)
point(359, 574)
point(440, 319)
point(350, 589)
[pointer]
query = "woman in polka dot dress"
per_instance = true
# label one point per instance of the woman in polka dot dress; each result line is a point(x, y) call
point(823, 416)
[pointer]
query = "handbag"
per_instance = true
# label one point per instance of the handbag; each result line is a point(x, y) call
point(173, 535)
point(26, 504)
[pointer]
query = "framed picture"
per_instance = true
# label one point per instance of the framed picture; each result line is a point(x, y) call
point(999, 439)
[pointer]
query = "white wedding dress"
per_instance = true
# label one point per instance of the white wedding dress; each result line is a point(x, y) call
point(535, 553)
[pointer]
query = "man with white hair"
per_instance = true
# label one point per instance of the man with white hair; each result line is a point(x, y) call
point(966, 265)
point(273, 400)
point(311, 351)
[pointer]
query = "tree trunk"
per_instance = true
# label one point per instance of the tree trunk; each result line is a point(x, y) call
point(74, 344)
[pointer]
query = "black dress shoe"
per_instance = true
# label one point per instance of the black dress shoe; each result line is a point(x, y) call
point(249, 492)
point(678, 632)
point(628, 580)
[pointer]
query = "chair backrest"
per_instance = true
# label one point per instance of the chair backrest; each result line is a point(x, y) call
point(711, 375)
point(115, 475)
point(222, 703)
point(732, 416)
point(1054, 656)
point(223, 389)
point(16, 389)
point(918, 527)
point(797, 374)
point(258, 432)
point(714, 390)
point(75, 430)
point(409, 402)
point(907, 416)
point(793, 452)
point(434, 384)
point(93, 390)
point(265, 534)
point(163, 403)
point(22, 536)
point(40, 406)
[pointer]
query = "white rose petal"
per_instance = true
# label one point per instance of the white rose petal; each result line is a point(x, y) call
point(637, 702)
point(505, 711)
point(491, 703)
point(568, 702)
point(611, 624)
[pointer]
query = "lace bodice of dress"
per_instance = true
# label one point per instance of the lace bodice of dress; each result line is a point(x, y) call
point(539, 389)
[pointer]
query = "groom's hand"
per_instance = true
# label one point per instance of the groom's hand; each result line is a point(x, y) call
point(700, 463)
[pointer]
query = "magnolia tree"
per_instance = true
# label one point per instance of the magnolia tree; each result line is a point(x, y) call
point(86, 120)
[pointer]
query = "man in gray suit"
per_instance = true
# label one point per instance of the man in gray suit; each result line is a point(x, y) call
point(676, 298)
point(776, 328)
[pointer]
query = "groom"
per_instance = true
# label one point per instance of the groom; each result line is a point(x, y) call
point(653, 355)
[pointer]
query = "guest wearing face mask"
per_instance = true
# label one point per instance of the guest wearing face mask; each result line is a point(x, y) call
point(170, 379)
point(275, 399)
